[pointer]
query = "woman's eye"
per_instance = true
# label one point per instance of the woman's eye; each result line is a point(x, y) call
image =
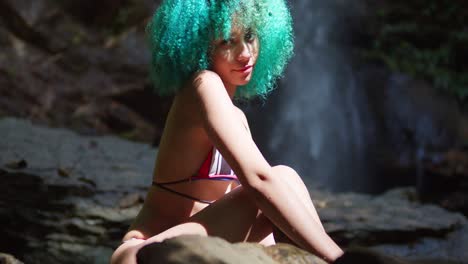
point(226, 42)
point(249, 36)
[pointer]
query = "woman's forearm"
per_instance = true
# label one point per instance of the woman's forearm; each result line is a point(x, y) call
point(288, 212)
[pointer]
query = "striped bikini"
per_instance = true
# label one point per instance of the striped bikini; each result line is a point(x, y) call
point(214, 167)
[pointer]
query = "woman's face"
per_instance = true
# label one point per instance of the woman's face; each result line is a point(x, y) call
point(234, 59)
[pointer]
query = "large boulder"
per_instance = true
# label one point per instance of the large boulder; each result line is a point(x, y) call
point(195, 249)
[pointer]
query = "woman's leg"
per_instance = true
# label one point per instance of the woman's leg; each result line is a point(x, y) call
point(295, 183)
point(126, 252)
point(234, 217)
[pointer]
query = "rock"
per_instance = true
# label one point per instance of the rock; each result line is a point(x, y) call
point(67, 198)
point(286, 253)
point(93, 163)
point(396, 224)
point(196, 249)
point(410, 118)
point(75, 87)
point(452, 249)
point(362, 219)
point(131, 200)
point(443, 179)
point(364, 256)
point(207, 250)
point(64, 198)
point(8, 259)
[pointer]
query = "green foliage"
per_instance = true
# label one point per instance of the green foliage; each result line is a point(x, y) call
point(131, 135)
point(122, 19)
point(426, 39)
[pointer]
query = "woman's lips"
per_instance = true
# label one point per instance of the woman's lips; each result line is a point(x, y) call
point(245, 69)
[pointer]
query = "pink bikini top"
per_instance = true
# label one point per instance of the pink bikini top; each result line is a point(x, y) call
point(215, 167)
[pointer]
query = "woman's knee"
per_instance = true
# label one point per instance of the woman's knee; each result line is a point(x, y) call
point(126, 252)
point(286, 172)
point(292, 179)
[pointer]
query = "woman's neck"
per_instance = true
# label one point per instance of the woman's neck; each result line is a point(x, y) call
point(231, 90)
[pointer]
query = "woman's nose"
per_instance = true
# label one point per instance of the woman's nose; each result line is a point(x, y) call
point(244, 52)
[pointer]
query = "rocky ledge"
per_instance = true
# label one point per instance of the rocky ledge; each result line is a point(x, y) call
point(67, 198)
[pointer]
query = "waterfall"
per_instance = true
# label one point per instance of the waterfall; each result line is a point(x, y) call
point(312, 122)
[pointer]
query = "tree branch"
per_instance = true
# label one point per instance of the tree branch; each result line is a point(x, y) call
point(15, 23)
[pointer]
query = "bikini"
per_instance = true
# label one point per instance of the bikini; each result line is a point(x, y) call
point(214, 168)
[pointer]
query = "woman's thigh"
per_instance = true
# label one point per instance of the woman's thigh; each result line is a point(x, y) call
point(235, 217)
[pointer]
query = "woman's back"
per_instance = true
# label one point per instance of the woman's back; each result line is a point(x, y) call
point(184, 143)
point(183, 148)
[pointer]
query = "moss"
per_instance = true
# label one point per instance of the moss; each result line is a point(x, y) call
point(426, 39)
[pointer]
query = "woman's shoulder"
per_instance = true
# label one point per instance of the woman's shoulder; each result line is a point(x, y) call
point(201, 78)
point(196, 80)
point(204, 86)
point(198, 90)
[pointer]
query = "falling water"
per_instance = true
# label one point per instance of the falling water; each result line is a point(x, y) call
point(313, 121)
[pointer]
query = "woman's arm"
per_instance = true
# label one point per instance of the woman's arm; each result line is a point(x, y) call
point(229, 135)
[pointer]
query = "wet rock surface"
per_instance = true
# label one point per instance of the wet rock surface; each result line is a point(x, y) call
point(67, 198)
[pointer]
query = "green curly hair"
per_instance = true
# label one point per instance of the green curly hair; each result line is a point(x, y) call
point(181, 32)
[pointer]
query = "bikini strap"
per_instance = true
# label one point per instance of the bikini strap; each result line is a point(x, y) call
point(161, 185)
point(172, 182)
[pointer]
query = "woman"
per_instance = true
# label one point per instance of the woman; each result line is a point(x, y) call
point(210, 178)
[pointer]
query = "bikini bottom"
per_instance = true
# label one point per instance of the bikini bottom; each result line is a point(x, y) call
point(164, 186)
